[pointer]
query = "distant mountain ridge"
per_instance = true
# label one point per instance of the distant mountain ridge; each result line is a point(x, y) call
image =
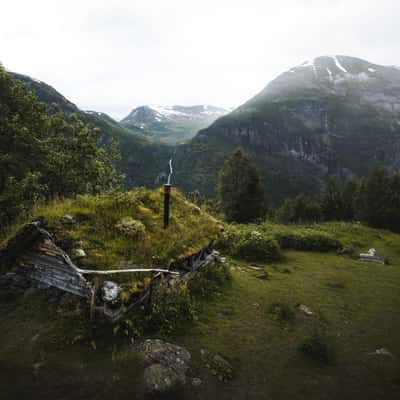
point(142, 162)
point(171, 124)
point(332, 116)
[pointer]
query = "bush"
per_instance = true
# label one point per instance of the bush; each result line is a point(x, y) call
point(282, 312)
point(245, 242)
point(319, 349)
point(207, 282)
point(307, 240)
point(171, 311)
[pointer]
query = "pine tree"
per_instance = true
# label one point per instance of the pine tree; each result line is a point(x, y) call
point(331, 202)
point(239, 189)
point(349, 196)
point(373, 198)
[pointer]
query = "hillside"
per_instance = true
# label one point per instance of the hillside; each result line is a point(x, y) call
point(348, 347)
point(174, 124)
point(333, 116)
point(142, 162)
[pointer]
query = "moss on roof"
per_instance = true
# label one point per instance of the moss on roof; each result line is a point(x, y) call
point(120, 229)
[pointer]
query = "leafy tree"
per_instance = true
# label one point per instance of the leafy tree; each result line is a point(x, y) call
point(300, 209)
point(43, 156)
point(239, 189)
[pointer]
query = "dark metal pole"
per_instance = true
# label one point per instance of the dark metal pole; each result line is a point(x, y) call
point(167, 193)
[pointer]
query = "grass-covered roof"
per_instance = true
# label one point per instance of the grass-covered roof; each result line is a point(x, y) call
point(119, 229)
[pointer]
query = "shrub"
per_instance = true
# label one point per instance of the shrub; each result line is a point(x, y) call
point(319, 349)
point(307, 240)
point(245, 242)
point(207, 282)
point(171, 311)
point(282, 312)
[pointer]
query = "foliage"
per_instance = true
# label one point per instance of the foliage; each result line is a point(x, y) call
point(43, 156)
point(300, 209)
point(245, 241)
point(239, 189)
point(284, 313)
point(210, 280)
point(331, 202)
point(306, 239)
point(378, 200)
point(171, 311)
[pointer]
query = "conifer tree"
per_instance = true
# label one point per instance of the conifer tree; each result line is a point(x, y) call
point(239, 189)
point(331, 202)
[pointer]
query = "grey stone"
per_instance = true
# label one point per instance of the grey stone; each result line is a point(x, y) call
point(306, 310)
point(68, 219)
point(218, 366)
point(196, 381)
point(110, 292)
point(166, 365)
point(79, 253)
point(161, 379)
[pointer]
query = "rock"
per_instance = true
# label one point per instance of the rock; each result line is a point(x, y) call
point(156, 351)
point(38, 365)
point(35, 337)
point(306, 310)
point(110, 292)
point(382, 352)
point(68, 219)
point(264, 276)
point(161, 379)
point(79, 253)
point(372, 256)
point(254, 268)
point(219, 367)
point(167, 365)
point(196, 381)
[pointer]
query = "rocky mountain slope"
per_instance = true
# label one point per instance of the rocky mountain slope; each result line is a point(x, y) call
point(334, 115)
point(174, 124)
point(142, 162)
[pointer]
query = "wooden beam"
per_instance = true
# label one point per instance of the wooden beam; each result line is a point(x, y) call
point(122, 271)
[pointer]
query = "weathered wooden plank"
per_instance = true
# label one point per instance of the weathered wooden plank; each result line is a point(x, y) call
point(123, 271)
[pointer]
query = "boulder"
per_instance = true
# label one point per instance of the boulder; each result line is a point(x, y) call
point(159, 378)
point(219, 367)
point(166, 365)
point(110, 292)
point(372, 256)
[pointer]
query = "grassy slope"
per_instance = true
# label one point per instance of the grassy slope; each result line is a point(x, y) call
point(356, 306)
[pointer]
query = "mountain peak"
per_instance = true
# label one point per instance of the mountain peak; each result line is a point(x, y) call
point(172, 123)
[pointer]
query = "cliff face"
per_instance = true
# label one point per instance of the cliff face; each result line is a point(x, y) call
point(335, 115)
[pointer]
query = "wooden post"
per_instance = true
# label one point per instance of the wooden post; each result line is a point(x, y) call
point(93, 299)
point(167, 194)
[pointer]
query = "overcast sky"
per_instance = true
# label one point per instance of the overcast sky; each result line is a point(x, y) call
point(112, 56)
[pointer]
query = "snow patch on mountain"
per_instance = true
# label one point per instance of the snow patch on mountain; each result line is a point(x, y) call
point(337, 63)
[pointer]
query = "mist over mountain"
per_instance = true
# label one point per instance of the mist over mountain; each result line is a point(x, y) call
point(332, 116)
point(171, 124)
